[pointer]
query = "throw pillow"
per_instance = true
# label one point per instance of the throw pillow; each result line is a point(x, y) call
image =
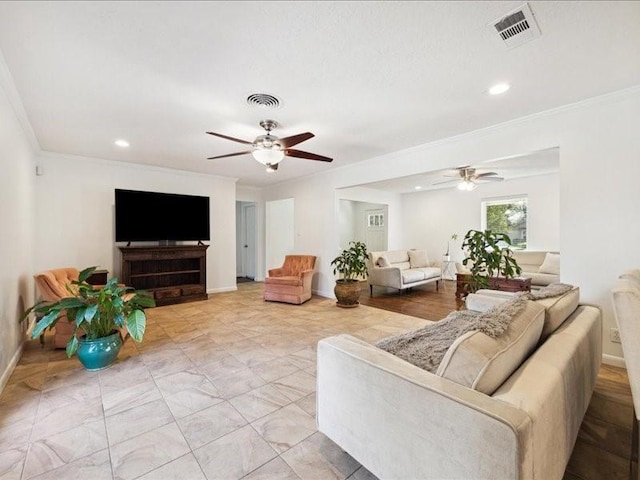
point(418, 258)
point(383, 261)
point(559, 302)
point(483, 363)
point(551, 264)
point(557, 310)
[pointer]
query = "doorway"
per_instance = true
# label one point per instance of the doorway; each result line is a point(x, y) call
point(245, 242)
point(363, 222)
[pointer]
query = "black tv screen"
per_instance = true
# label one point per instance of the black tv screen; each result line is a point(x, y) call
point(150, 216)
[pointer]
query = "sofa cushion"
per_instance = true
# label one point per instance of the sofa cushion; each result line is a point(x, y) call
point(430, 272)
point(418, 258)
point(483, 363)
point(632, 275)
point(412, 275)
point(551, 264)
point(383, 261)
point(557, 309)
point(396, 256)
point(482, 303)
point(541, 279)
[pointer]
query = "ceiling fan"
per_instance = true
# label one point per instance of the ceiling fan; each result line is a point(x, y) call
point(269, 150)
point(468, 179)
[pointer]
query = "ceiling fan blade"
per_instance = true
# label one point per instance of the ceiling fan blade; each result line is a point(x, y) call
point(295, 139)
point(446, 181)
point(230, 138)
point(490, 179)
point(309, 156)
point(229, 155)
point(488, 174)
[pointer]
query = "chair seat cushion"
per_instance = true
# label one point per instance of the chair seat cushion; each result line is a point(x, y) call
point(295, 281)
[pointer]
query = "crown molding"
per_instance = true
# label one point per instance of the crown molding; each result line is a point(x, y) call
point(480, 132)
point(137, 166)
point(9, 87)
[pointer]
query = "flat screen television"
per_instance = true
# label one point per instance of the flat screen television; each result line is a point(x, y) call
point(150, 216)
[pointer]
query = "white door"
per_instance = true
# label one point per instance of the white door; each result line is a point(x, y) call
point(249, 245)
point(376, 230)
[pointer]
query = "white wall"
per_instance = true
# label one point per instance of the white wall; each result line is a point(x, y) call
point(280, 231)
point(440, 213)
point(599, 148)
point(75, 213)
point(17, 174)
point(347, 222)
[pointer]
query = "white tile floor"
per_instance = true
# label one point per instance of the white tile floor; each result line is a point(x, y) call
point(222, 389)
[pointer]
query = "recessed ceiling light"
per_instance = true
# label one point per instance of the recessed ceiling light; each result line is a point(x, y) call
point(418, 187)
point(499, 88)
point(122, 143)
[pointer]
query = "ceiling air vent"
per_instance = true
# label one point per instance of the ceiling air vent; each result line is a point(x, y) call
point(517, 27)
point(263, 100)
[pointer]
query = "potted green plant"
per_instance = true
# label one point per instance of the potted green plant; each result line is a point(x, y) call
point(350, 264)
point(99, 313)
point(489, 257)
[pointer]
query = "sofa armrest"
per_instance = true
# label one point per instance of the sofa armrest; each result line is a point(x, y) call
point(385, 277)
point(400, 421)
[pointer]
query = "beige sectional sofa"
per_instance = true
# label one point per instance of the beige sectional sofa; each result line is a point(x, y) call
point(543, 268)
point(402, 422)
point(625, 295)
point(401, 269)
point(535, 267)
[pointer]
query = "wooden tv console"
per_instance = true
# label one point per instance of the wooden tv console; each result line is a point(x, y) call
point(173, 274)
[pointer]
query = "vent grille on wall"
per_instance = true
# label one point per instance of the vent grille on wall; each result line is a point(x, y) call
point(517, 27)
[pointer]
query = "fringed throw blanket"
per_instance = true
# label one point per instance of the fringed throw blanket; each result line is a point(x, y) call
point(426, 346)
point(552, 290)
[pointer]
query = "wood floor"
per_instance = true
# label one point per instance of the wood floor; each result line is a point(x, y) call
point(603, 446)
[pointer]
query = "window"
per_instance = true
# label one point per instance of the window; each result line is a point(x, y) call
point(507, 215)
point(375, 220)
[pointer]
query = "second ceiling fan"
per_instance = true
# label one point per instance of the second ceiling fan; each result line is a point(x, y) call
point(269, 150)
point(468, 179)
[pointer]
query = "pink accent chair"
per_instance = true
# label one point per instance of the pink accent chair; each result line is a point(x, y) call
point(52, 285)
point(290, 283)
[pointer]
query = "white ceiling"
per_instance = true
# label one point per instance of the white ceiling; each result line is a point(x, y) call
point(368, 78)
point(543, 162)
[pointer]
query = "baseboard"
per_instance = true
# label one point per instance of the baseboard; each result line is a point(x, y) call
point(222, 289)
point(613, 360)
point(12, 365)
point(324, 294)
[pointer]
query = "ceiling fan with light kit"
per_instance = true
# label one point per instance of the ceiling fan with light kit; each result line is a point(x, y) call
point(269, 150)
point(468, 178)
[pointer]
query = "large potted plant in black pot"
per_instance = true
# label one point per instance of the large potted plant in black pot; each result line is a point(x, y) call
point(489, 259)
point(350, 264)
point(99, 313)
